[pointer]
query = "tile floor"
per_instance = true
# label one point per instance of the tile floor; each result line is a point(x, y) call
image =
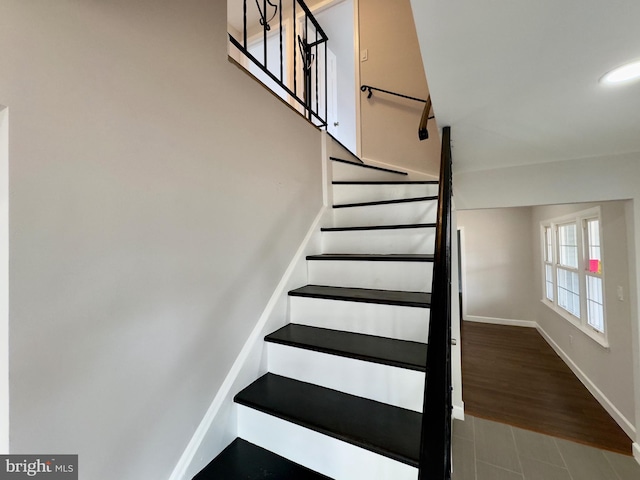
point(485, 450)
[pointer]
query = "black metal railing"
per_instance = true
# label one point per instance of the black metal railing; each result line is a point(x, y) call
point(287, 45)
point(423, 133)
point(435, 445)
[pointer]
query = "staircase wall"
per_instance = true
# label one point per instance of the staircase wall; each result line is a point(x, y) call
point(389, 125)
point(157, 195)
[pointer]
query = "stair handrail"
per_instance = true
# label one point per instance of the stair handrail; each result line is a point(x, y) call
point(423, 133)
point(435, 443)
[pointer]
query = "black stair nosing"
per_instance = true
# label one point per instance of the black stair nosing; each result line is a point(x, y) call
point(365, 295)
point(378, 227)
point(385, 182)
point(387, 202)
point(373, 257)
point(388, 430)
point(369, 348)
point(371, 167)
point(243, 459)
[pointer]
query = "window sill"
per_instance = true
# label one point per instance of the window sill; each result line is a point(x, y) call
point(599, 338)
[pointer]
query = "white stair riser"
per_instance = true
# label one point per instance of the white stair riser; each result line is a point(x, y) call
point(412, 240)
point(374, 193)
point(352, 173)
point(396, 386)
point(408, 276)
point(392, 321)
point(389, 214)
point(327, 455)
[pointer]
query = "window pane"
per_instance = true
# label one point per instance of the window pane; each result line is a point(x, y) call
point(569, 291)
point(568, 245)
point(548, 249)
point(595, 303)
point(594, 262)
point(549, 281)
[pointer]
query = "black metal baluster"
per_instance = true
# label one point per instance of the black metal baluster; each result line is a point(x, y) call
point(307, 67)
point(326, 89)
point(281, 62)
point(264, 31)
point(295, 51)
point(316, 61)
point(245, 24)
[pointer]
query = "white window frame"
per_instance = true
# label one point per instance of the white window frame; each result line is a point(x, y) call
point(580, 219)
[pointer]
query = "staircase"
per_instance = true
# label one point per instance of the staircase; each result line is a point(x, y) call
point(344, 391)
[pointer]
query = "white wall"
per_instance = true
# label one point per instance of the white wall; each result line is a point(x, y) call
point(498, 263)
point(157, 196)
point(583, 180)
point(4, 279)
point(389, 125)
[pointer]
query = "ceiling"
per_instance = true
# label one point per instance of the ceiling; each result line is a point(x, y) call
point(517, 80)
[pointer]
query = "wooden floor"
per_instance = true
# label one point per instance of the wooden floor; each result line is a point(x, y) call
point(511, 375)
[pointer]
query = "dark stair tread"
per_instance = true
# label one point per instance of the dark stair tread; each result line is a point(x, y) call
point(371, 167)
point(368, 257)
point(370, 348)
point(385, 182)
point(246, 461)
point(366, 295)
point(390, 431)
point(378, 227)
point(386, 202)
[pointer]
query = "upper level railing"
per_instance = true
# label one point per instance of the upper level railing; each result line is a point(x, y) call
point(282, 44)
point(423, 133)
point(435, 447)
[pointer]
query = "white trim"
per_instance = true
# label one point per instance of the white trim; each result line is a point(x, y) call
point(463, 270)
point(224, 392)
point(501, 321)
point(458, 412)
point(327, 170)
point(620, 419)
point(4, 280)
point(356, 59)
point(636, 452)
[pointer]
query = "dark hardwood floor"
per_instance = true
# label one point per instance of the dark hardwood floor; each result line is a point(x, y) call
point(511, 375)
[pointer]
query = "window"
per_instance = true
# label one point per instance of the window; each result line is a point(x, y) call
point(572, 272)
point(548, 264)
point(567, 269)
point(595, 302)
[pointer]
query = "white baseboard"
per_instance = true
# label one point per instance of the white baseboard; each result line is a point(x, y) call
point(501, 321)
point(229, 385)
point(636, 452)
point(620, 419)
point(458, 412)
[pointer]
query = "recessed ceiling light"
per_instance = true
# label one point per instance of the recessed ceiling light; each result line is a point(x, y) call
point(624, 73)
